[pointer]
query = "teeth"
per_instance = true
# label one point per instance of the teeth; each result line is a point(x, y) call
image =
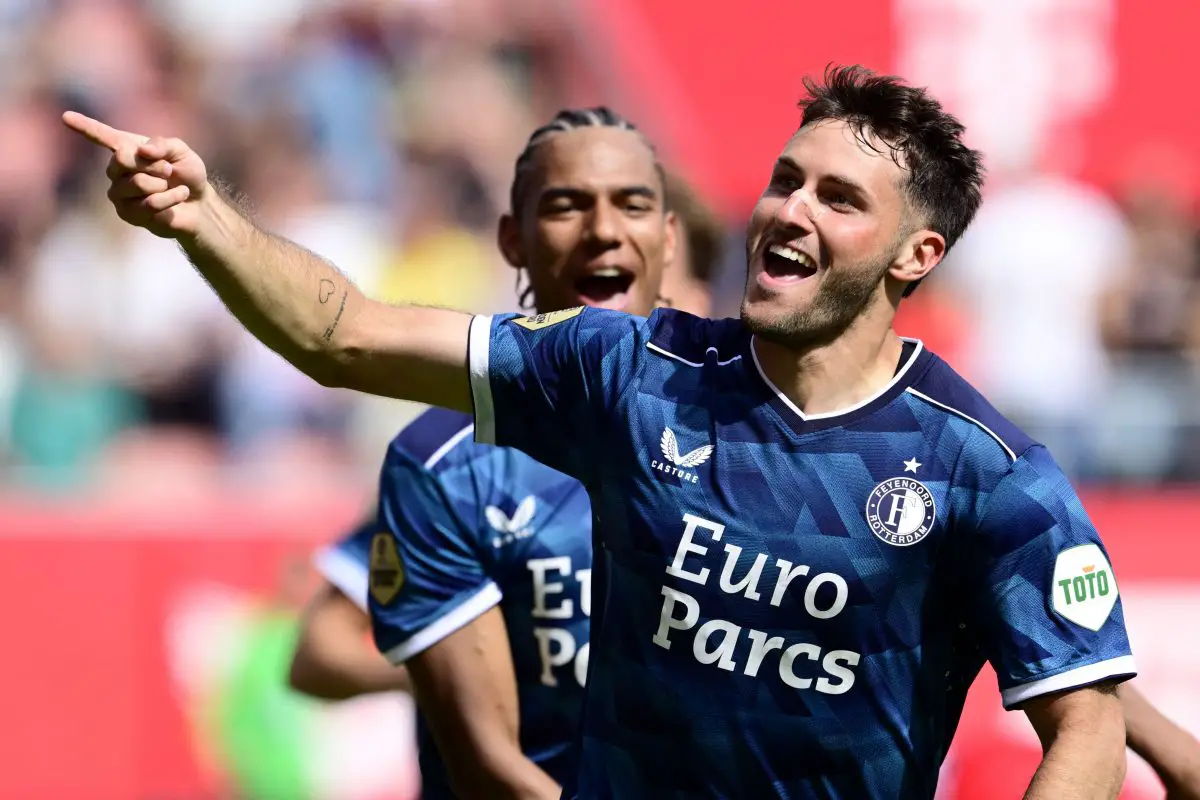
point(783, 251)
point(607, 272)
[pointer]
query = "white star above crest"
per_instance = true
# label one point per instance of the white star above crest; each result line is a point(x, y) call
point(911, 465)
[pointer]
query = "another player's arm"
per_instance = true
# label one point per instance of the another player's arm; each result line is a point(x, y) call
point(467, 691)
point(1169, 749)
point(290, 299)
point(1083, 744)
point(333, 659)
point(443, 622)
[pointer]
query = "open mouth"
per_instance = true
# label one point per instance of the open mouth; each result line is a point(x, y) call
point(787, 264)
point(605, 288)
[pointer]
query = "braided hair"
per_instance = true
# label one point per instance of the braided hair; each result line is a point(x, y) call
point(565, 121)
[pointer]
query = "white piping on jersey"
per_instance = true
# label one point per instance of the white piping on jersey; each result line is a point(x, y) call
point(831, 414)
point(448, 445)
point(347, 574)
point(1011, 455)
point(668, 354)
point(463, 614)
point(1080, 676)
point(479, 341)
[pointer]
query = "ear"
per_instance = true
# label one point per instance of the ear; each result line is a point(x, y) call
point(508, 239)
point(671, 242)
point(920, 252)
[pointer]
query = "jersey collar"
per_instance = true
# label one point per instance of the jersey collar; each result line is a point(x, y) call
point(916, 365)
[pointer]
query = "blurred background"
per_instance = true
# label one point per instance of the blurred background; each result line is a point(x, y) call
point(164, 478)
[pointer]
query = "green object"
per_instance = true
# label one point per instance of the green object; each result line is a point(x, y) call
point(262, 724)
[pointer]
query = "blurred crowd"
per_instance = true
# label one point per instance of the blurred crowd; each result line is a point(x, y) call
point(1077, 312)
point(381, 134)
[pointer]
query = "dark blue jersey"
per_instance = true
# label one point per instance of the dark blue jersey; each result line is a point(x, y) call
point(793, 605)
point(462, 528)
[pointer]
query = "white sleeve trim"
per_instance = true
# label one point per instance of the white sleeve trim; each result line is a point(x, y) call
point(1092, 673)
point(479, 342)
point(466, 612)
point(344, 572)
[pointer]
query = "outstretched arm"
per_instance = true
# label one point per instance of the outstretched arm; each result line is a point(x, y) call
point(292, 300)
point(1169, 749)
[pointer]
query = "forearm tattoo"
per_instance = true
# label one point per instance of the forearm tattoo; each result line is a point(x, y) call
point(325, 291)
point(337, 317)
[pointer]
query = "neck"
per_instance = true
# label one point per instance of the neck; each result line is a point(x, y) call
point(838, 375)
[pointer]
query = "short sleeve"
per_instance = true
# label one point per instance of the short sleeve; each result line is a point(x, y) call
point(428, 578)
point(1046, 605)
point(344, 563)
point(548, 384)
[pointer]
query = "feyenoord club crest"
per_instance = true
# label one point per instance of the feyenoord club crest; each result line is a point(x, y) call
point(901, 511)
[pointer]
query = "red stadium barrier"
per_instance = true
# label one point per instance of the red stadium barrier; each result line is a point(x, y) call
point(126, 628)
point(1053, 83)
point(1156, 554)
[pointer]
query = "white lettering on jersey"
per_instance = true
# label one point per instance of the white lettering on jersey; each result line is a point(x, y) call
point(750, 582)
point(787, 574)
point(839, 601)
point(543, 589)
point(801, 665)
point(722, 653)
point(557, 647)
point(667, 620)
point(686, 547)
point(676, 463)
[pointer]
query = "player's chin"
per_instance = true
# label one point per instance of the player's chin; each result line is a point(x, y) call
point(766, 307)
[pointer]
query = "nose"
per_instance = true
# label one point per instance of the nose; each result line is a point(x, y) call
point(798, 211)
point(604, 228)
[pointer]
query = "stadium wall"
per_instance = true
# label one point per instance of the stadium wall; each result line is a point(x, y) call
point(148, 655)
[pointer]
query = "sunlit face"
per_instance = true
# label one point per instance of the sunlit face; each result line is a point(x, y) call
point(593, 230)
point(822, 236)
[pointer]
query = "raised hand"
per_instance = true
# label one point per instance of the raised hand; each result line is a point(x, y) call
point(156, 183)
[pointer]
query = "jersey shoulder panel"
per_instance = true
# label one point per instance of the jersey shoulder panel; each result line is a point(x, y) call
point(693, 340)
point(432, 436)
point(943, 389)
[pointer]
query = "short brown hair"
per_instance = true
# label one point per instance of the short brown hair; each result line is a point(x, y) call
point(944, 177)
point(703, 228)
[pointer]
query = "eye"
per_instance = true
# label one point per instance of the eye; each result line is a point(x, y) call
point(559, 207)
point(786, 184)
point(840, 200)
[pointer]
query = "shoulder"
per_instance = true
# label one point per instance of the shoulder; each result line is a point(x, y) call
point(581, 321)
point(996, 470)
point(440, 445)
point(693, 340)
point(943, 399)
point(675, 332)
point(436, 438)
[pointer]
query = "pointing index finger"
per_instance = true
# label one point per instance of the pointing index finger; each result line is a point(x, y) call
point(98, 133)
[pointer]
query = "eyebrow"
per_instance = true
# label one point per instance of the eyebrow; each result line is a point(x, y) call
point(841, 180)
point(551, 193)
